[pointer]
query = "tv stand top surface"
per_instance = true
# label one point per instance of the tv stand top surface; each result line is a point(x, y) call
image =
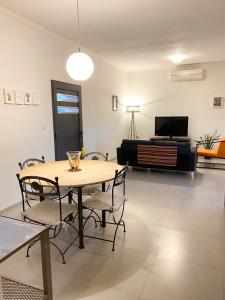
point(174, 138)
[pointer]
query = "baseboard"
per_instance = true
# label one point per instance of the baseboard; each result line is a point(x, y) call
point(9, 208)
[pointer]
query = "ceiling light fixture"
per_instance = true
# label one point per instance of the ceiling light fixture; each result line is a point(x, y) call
point(177, 58)
point(79, 65)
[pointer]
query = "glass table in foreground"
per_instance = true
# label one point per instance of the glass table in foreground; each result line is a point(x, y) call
point(14, 235)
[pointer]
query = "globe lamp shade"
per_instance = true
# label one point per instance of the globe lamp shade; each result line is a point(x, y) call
point(79, 66)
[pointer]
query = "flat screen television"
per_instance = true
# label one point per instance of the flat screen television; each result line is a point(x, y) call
point(171, 126)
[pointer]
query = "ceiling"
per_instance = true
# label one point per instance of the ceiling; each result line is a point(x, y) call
point(135, 34)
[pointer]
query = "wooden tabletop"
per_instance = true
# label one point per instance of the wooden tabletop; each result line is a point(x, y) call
point(91, 172)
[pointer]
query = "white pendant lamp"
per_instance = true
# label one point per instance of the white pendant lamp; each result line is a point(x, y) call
point(79, 65)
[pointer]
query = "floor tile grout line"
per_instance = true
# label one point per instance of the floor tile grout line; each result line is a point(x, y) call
point(222, 264)
point(223, 284)
point(147, 279)
point(188, 262)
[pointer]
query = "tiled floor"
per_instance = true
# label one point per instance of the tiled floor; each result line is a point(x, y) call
point(173, 250)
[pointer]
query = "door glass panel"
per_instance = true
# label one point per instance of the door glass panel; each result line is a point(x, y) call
point(67, 98)
point(67, 110)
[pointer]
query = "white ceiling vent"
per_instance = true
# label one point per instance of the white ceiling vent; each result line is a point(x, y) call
point(187, 75)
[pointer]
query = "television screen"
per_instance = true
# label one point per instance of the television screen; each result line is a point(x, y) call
point(171, 126)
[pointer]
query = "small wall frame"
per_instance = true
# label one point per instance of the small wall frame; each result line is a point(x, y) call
point(114, 103)
point(9, 96)
point(218, 102)
point(19, 97)
point(28, 98)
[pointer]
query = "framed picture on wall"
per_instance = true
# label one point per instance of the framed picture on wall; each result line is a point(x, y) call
point(114, 103)
point(36, 98)
point(218, 102)
point(9, 96)
point(28, 98)
point(19, 97)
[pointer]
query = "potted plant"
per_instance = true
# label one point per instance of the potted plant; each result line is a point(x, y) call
point(208, 141)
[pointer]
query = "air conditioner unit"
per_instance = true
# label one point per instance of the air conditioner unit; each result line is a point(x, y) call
point(187, 75)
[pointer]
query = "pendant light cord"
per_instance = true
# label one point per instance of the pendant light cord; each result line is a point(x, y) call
point(78, 25)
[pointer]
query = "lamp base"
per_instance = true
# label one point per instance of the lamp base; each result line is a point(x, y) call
point(132, 130)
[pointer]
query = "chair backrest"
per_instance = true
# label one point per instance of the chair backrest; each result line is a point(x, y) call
point(31, 162)
point(96, 156)
point(119, 179)
point(41, 187)
point(220, 150)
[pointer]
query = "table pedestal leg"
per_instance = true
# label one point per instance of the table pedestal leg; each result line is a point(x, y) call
point(46, 264)
point(70, 201)
point(103, 224)
point(103, 219)
point(80, 217)
point(103, 187)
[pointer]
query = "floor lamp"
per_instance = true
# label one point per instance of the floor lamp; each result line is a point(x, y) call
point(132, 129)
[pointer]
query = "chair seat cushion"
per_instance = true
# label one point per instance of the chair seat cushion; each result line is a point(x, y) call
point(90, 189)
point(47, 212)
point(103, 201)
point(207, 152)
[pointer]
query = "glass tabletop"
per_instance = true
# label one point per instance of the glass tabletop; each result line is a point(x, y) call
point(14, 234)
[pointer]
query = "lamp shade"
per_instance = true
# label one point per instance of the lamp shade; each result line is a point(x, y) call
point(79, 66)
point(132, 108)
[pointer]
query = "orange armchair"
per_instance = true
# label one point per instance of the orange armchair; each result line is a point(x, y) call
point(217, 152)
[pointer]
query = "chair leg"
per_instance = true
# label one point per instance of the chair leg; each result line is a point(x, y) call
point(67, 222)
point(118, 223)
point(54, 235)
point(124, 226)
point(55, 232)
point(31, 245)
point(28, 203)
point(36, 240)
point(96, 224)
point(99, 219)
point(90, 216)
point(63, 259)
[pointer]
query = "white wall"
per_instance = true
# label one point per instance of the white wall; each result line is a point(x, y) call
point(190, 98)
point(29, 58)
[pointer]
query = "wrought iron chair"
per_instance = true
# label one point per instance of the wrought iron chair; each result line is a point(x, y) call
point(50, 211)
point(96, 156)
point(88, 190)
point(31, 162)
point(111, 203)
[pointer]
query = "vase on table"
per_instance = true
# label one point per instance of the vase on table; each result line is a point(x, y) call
point(74, 160)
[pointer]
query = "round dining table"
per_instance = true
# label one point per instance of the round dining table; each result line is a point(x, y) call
point(90, 172)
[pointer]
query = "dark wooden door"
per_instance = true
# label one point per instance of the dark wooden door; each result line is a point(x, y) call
point(67, 118)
